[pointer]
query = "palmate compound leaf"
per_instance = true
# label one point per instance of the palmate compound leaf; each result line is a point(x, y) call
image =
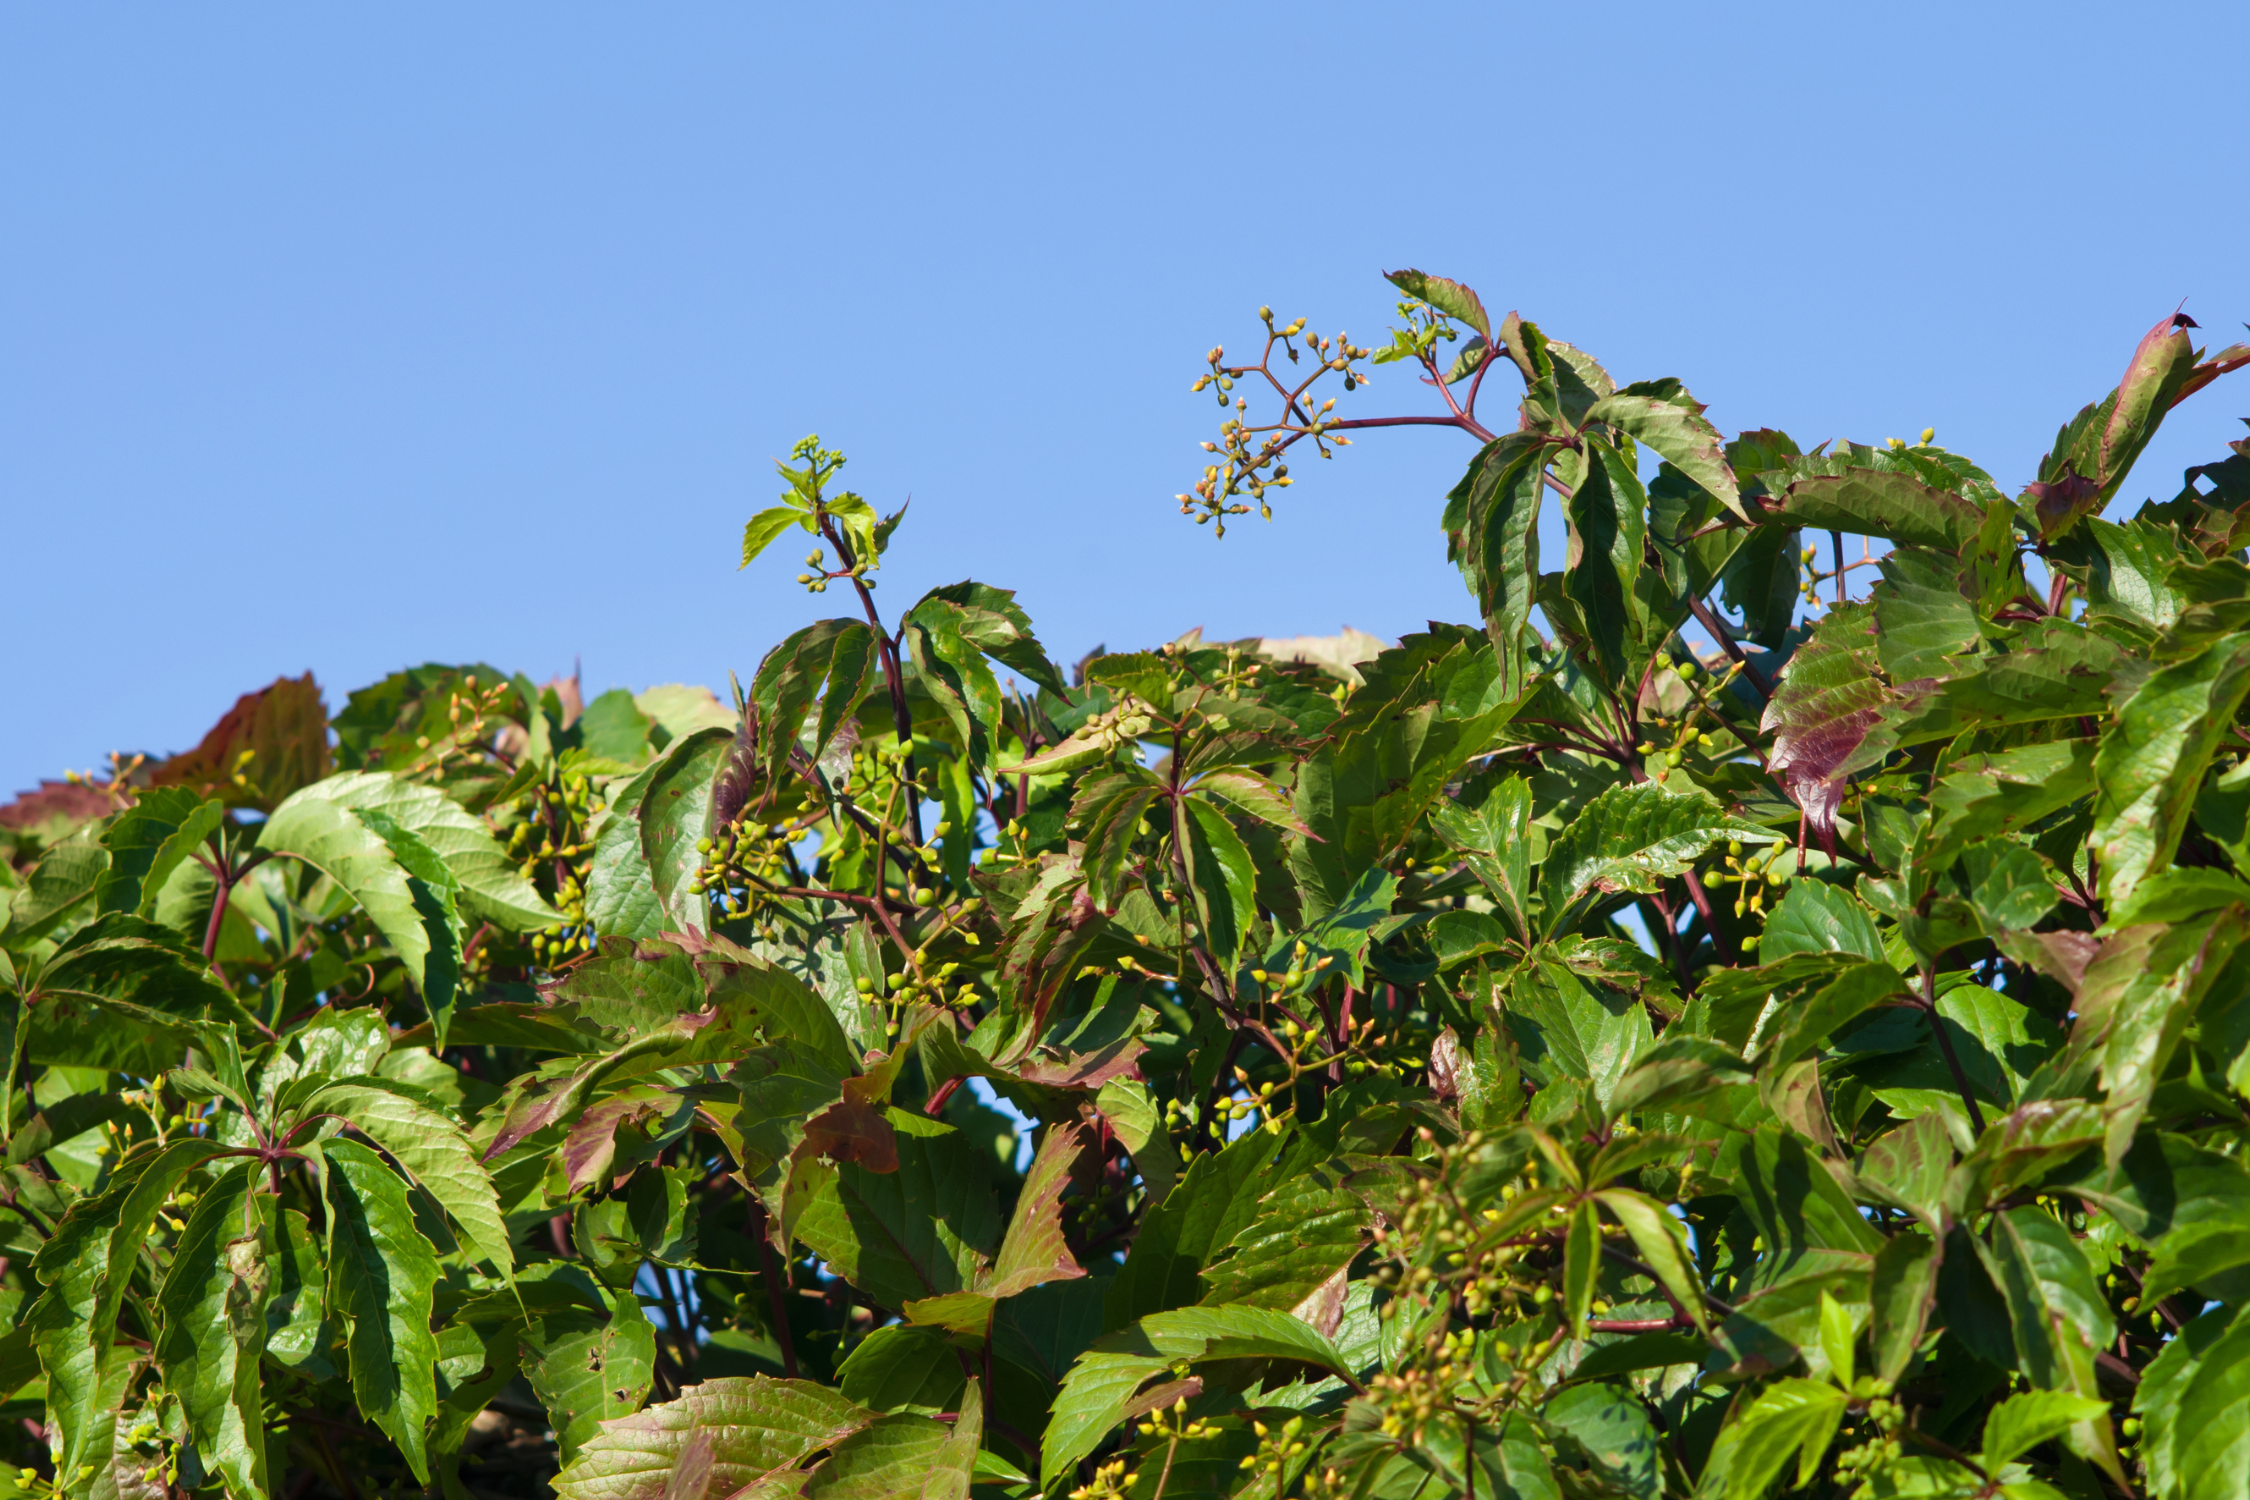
point(213, 1303)
point(1629, 838)
point(995, 624)
point(381, 1276)
point(757, 1432)
point(1099, 1390)
point(86, 1268)
point(840, 653)
point(491, 887)
point(432, 1150)
point(418, 921)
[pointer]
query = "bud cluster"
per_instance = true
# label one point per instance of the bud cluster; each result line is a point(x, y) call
point(1250, 455)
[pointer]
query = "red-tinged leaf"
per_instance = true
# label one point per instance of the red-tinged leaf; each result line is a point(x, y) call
point(2160, 366)
point(268, 745)
point(2062, 503)
point(2233, 357)
point(59, 806)
point(856, 1132)
point(1033, 1253)
point(1827, 717)
point(1091, 1070)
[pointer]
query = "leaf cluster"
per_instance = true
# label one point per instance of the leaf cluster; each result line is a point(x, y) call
point(1712, 1025)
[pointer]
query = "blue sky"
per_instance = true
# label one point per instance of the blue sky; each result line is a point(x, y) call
point(344, 338)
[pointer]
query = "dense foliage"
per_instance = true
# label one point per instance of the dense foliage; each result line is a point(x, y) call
point(1715, 1024)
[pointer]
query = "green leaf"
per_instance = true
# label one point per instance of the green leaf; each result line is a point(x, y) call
point(1223, 878)
point(299, 1332)
point(1096, 1395)
point(1819, 918)
point(770, 523)
point(921, 1231)
point(1449, 297)
point(1249, 792)
point(65, 877)
point(2193, 1398)
point(614, 728)
point(330, 837)
point(381, 1274)
point(1135, 1118)
point(1797, 1417)
point(2135, 1002)
point(1979, 796)
point(951, 665)
point(1632, 837)
point(1306, 1231)
point(2024, 1421)
point(1799, 1028)
point(755, 1431)
point(902, 1367)
point(1495, 840)
point(147, 842)
point(1873, 502)
point(892, 1458)
point(1607, 536)
point(86, 1268)
point(213, 1303)
point(621, 899)
point(1922, 618)
point(840, 653)
point(1905, 1289)
point(1672, 424)
point(433, 1151)
point(590, 1362)
point(995, 624)
point(1570, 1028)
point(2057, 1313)
point(675, 812)
point(2126, 571)
point(2152, 761)
point(1186, 1231)
point(1662, 1245)
point(1582, 1264)
point(122, 994)
point(1837, 1339)
point(1492, 530)
point(491, 886)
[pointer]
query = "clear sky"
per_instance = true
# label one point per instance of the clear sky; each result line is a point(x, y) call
point(344, 338)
